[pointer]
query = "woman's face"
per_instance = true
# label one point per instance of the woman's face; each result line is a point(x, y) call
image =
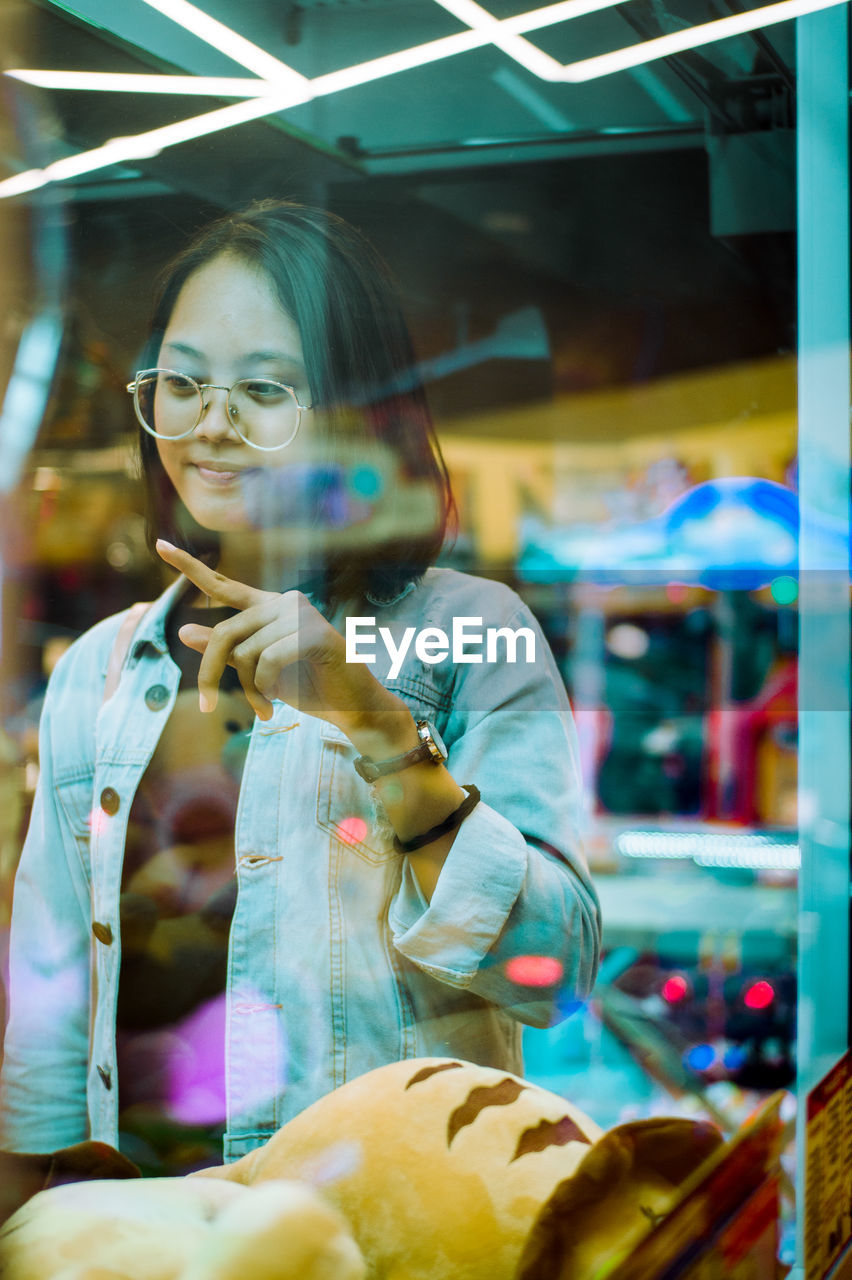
point(228, 324)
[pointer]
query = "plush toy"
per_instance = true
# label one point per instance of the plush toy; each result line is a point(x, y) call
point(428, 1169)
point(178, 1229)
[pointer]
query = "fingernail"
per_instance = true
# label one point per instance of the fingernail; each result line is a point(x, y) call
point(205, 703)
point(161, 542)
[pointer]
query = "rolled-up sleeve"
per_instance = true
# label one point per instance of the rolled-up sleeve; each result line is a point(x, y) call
point(514, 916)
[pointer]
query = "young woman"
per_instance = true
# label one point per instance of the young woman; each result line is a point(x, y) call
point(263, 861)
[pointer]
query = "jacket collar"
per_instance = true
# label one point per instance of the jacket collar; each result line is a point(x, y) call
point(152, 628)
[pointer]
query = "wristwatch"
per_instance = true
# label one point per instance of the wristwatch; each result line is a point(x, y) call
point(431, 748)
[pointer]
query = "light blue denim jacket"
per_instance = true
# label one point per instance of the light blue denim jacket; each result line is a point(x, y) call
point(337, 963)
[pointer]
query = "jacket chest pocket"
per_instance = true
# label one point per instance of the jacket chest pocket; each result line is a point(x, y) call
point(74, 800)
point(344, 802)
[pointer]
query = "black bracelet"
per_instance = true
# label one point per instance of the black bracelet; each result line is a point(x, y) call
point(449, 824)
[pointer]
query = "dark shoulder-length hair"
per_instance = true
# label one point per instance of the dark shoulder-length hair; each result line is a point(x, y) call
point(360, 366)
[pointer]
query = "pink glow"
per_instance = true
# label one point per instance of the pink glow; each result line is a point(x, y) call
point(352, 830)
point(675, 988)
point(534, 971)
point(97, 822)
point(197, 1073)
point(759, 995)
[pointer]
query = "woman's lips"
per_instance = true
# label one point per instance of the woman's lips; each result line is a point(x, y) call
point(220, 477)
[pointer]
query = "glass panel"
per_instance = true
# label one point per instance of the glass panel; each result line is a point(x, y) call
point(597, 267)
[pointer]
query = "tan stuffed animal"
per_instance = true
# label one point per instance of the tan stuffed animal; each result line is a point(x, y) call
point(178, 1229)
point(441, 1170)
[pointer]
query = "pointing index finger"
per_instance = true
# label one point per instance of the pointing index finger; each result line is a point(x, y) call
point(237, 595)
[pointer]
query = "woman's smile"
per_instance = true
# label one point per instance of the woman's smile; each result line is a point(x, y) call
point(219, 474)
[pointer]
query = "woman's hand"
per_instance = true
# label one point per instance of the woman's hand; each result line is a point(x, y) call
point(283, 648)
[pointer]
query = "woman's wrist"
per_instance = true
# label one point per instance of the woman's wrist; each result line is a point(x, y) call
point(414, 799)
point(384, 732)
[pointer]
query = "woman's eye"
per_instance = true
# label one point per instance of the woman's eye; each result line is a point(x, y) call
point(179, 386)
point(268, 392)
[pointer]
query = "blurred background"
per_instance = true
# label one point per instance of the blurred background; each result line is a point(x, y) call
point(600, 281)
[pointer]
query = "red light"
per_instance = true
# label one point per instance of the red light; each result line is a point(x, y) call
point(352, 830)
point(675, 989)
point(97, 822)
point(534, 971)
point(759, 995)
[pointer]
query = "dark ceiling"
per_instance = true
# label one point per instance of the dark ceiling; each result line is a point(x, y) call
point(624, 229)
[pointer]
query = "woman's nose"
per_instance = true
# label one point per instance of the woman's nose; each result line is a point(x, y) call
point(215, 422)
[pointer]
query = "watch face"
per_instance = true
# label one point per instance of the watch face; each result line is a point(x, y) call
point(433, 740)
point(367, 769)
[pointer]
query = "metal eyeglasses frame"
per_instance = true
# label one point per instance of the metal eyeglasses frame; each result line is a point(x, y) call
point(231, 410)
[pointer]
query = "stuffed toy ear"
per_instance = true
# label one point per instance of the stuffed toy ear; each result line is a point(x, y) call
point(24, 1175)
point(86, 1162)
point(619, 1191)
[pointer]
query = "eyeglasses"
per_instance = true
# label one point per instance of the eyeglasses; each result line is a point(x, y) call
point(264, 413)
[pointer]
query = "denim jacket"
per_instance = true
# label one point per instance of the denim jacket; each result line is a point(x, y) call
point(337, 963)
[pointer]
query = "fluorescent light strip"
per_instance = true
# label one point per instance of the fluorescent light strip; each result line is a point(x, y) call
point(227, 41)
point(143, 145)
point(405, 60)
point(691, 38)
point(711, 849)
point(118, 82)
point(119, 149)
point(553, 13)
point(547, 68)
point(781, 859)
point(331, 82)
point(535, 60)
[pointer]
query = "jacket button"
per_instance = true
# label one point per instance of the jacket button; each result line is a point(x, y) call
point(110, 801)
point(156, 697)
point(102, 932)
point(106, 1076)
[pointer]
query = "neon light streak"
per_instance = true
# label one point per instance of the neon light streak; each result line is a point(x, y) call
point(228, 41)
point(142, 145)
point(391, 63)
point(692, 38)
point(331, 82)
point(293, 88)
point(535, 60)
point(131, 82)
